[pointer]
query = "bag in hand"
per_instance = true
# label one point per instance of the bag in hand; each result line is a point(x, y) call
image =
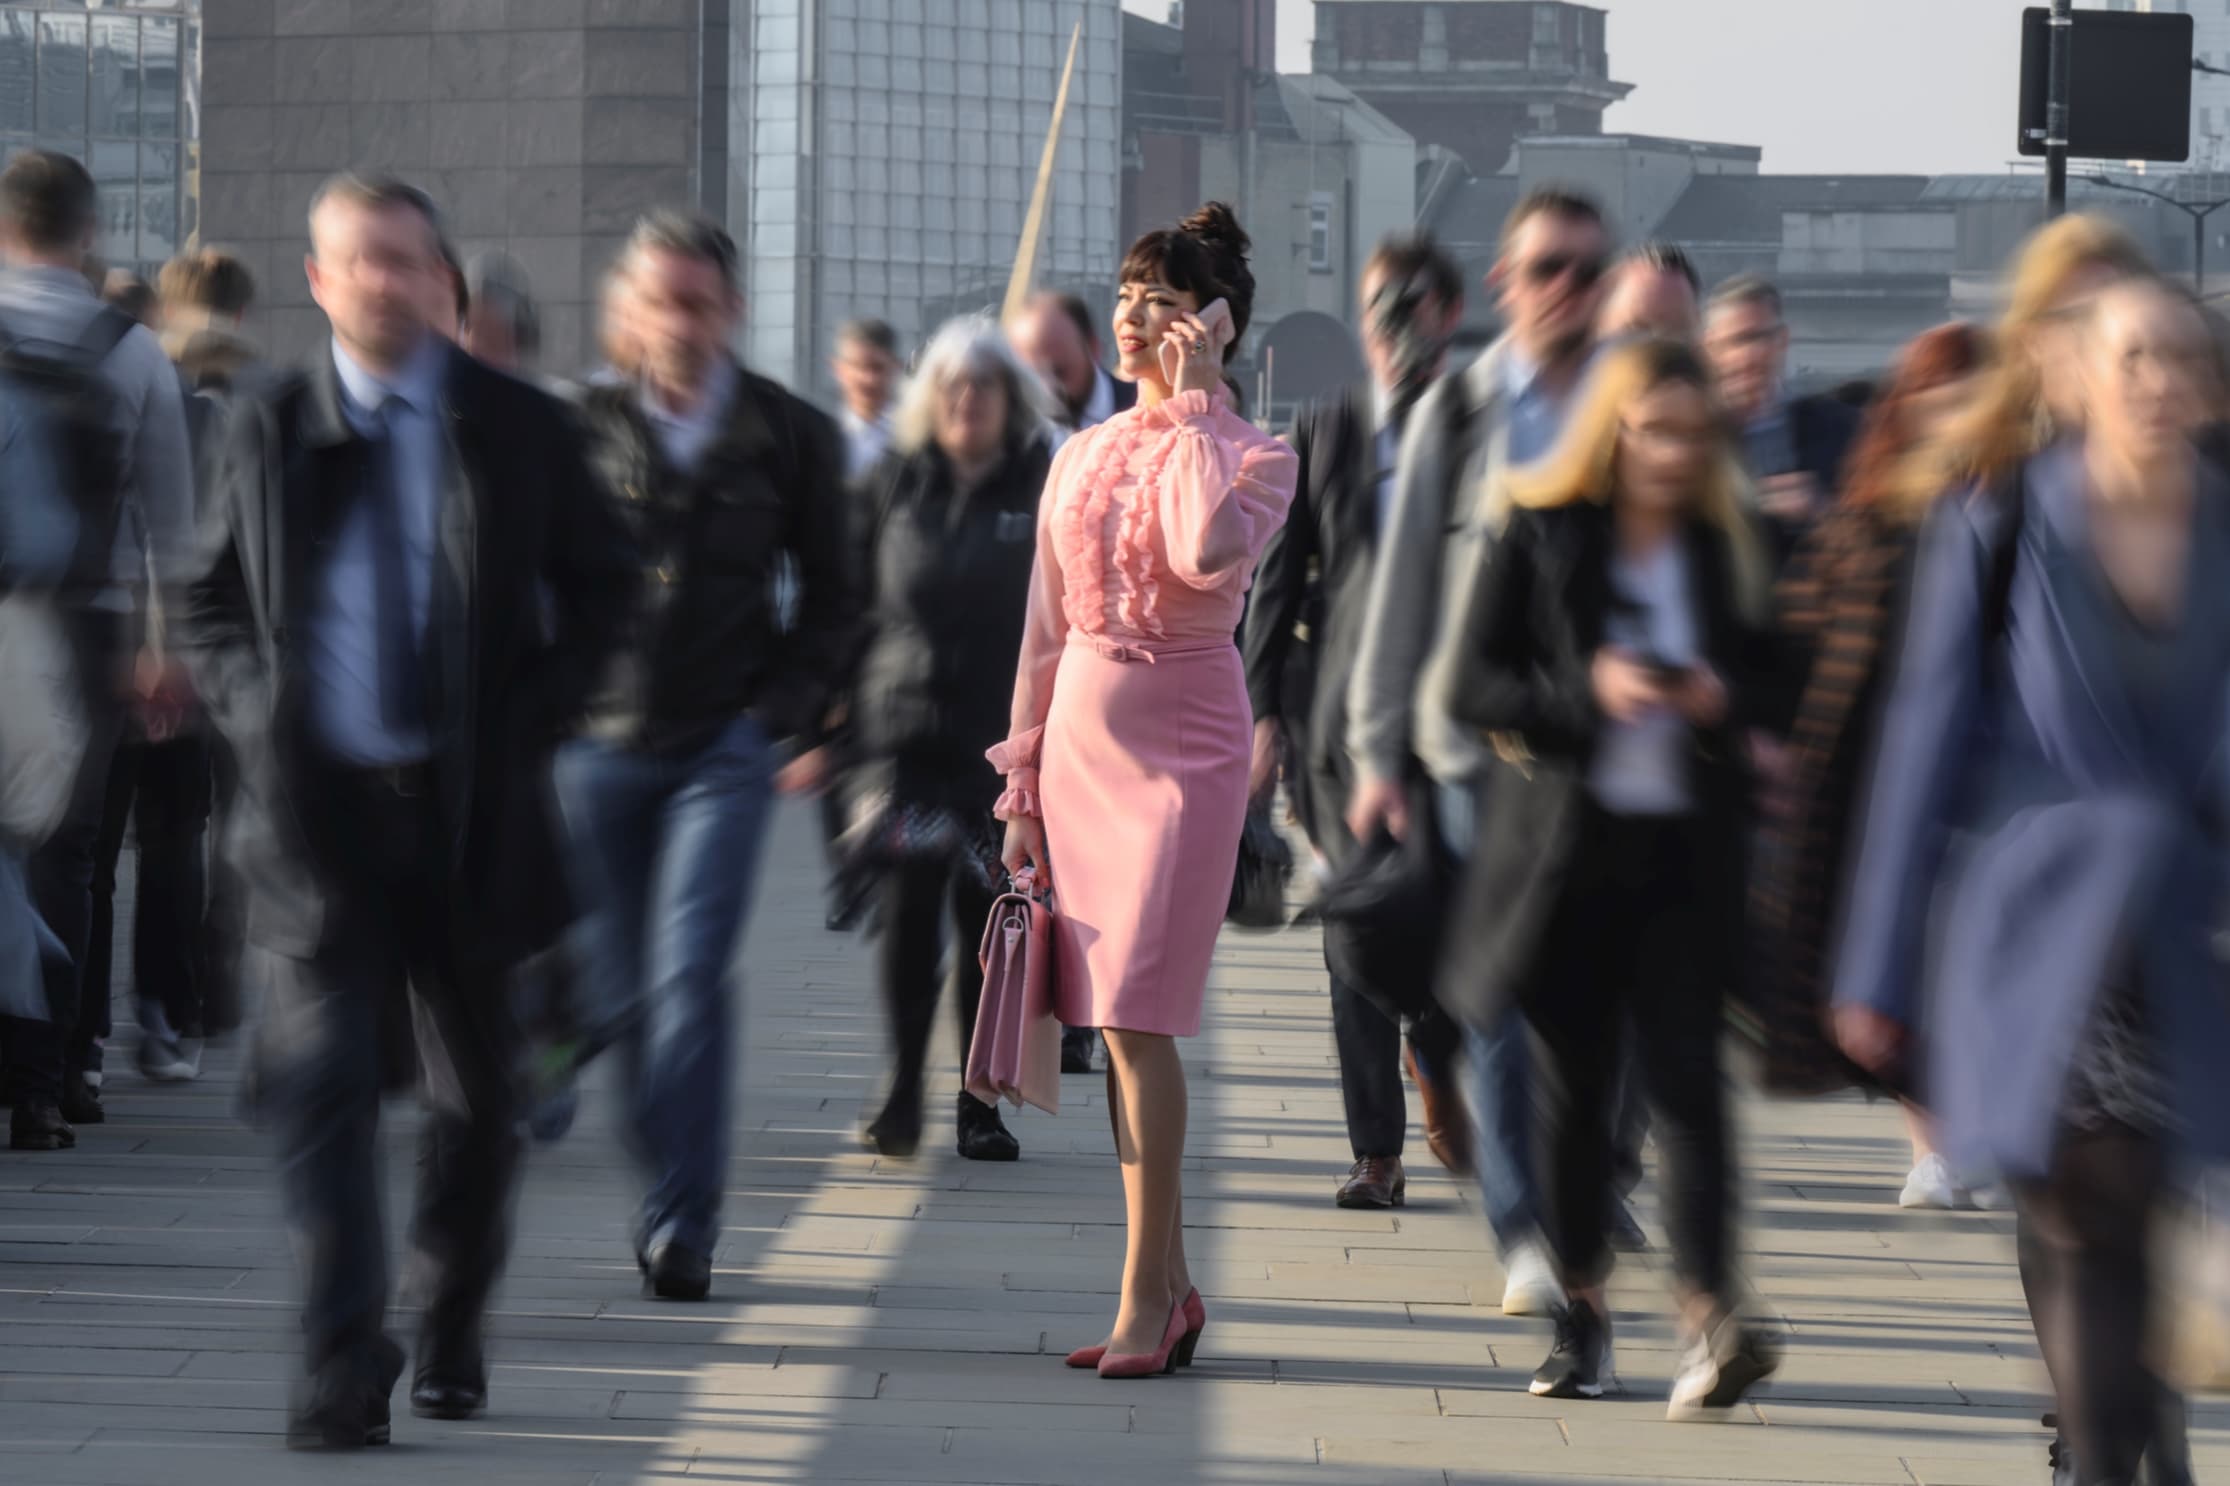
point(1264, 869)
point(1384, 912)
point(1016, 1053)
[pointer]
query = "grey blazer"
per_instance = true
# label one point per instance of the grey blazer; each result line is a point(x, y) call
point(2028, 839)
point(1429, 558)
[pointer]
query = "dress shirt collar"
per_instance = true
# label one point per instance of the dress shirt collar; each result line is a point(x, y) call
point(416, 384)
point(48, 279)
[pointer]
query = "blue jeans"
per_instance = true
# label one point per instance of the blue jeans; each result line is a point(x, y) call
point(1498, 1067)
point(1498, 1064)
point(664, 853)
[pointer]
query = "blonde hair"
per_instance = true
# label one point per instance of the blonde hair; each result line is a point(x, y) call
point(1583, 467)
point(2008, 421)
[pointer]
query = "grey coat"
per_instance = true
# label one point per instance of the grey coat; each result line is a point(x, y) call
point(1429, 556)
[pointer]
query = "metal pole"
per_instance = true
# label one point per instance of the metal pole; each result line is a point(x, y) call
point(2061, 71)
point(2199, 253)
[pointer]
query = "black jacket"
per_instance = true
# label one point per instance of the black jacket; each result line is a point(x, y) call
point(706, 644)
point(942, 583)
point(525, 539)
point(1821, 432)
point(1525, 681)
point(1317, 571)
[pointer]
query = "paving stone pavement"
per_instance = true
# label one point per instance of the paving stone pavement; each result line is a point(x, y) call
point(880, 1321)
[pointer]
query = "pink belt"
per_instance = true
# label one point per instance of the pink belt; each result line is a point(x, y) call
point(1150, 653)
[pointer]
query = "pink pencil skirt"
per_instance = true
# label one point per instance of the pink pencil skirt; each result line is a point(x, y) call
point(1143, 782)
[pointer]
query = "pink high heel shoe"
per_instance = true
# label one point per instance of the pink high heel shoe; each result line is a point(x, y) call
point(1149, 1364)
point(1196, 1321)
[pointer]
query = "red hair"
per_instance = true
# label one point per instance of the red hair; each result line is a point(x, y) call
point(1885, 443)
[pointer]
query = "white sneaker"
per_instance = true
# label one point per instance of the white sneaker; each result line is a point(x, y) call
point(1533, 1289)
point(1930, 1186)
point(1988, 1197)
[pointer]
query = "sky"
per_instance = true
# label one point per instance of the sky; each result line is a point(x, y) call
point(1825, 86)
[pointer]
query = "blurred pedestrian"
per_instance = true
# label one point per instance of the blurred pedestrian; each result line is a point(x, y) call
point(2048, 818)
point(203, 297)
point(1793, 446)
point(1057, 337)
point(392, 706)
point(1839, 602)
point(1320, 564)
point(866, 369)
point(1654, 290)
point(1504, 410)
point(502, 325)
point(1606, 652)
point(725, 477)
point(42, 727)
point(942, 578)
point(112, 404)
point(123, 290)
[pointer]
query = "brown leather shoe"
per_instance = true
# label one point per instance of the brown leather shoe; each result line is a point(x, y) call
point(1447, 1123)
point(1374, 1181)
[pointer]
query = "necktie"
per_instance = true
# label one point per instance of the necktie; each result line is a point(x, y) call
point(401, 696)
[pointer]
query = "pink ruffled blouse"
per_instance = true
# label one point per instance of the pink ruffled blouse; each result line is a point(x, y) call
point(1147, 535)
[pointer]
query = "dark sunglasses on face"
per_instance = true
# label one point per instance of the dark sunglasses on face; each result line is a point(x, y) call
point(1585, 271)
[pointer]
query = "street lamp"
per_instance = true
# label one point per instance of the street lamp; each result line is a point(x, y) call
point(2198, 211)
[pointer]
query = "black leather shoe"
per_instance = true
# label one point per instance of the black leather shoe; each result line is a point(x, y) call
point(1076, 1049)
point(671, 1272)
point(448, 1398)
point(36, 1124)
point(81, 1102)
point(896, 1132)
point(344, 1404)
point(983, 1135)
point(451, 1381)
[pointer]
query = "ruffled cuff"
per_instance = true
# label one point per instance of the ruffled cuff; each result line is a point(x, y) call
point(1020, 801)
point(1018, 753)
point(1196, 407)
point(1017, 758)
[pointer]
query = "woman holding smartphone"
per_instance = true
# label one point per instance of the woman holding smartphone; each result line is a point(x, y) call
point(1131, 730)
point(1604, 654)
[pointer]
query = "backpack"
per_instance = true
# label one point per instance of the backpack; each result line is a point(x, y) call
point(77, 405)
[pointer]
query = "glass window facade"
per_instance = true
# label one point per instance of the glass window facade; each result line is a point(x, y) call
point(894, 183)
point(116, 85)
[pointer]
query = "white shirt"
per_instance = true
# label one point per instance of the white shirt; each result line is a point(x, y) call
point(686, 436)
point(864, 443)
point(1641, 767)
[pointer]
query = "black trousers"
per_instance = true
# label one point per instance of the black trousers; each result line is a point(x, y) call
point(163, 791)
point(392, 928)
point(1369, 1042)
point(1623, 943)
point(61, 871)
point(2085, 1238)
point(917, 901)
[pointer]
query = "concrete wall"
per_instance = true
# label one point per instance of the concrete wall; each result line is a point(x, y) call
point(542, 127)
point(1871, 242)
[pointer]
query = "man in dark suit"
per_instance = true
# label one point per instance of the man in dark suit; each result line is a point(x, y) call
point(1318, 568)
point(1794, 446)
point(366, 625)
point(1056, 338)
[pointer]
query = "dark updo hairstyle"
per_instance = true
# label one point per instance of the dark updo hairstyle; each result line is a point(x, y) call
point(1206, 256)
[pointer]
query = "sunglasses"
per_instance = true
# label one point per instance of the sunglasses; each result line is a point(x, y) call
point(1586, 271)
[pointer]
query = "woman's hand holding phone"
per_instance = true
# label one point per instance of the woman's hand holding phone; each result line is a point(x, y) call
point(1192, 349)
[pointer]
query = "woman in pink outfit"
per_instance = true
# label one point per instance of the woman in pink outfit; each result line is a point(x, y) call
point(1131, 732)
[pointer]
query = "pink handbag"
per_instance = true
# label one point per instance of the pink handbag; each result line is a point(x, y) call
point(1017, 1048)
